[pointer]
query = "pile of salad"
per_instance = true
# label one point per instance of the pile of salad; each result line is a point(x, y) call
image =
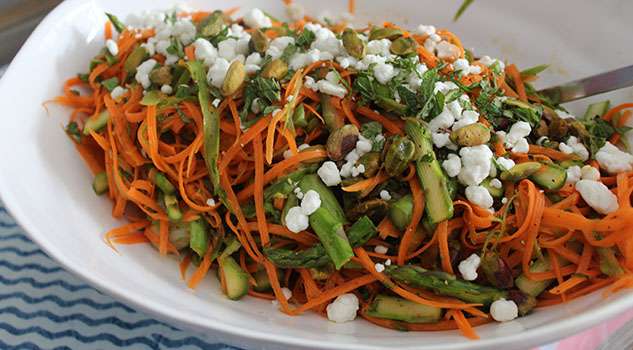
point(375, 172)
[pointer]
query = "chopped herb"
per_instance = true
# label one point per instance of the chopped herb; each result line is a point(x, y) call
point(176, 48)
point(304, 39)
point(83, 77)
point(599, 131)
point(182, 116)
point(110, 59)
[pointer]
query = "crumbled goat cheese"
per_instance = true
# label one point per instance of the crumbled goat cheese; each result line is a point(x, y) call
point(205, 51)
point(574, 173)
point(503, 310)
point(415, 78)
point(384, 72)
point(253, 62)
point(476, 164)
point(466, 118)
point(166, 89)
point(329, 174)
point(211, 202)
point(452, 165)
point(343, 308)
point(598, 196)
point(489, 61)
point(379, 47)
point(311, 202)
point(385, 195)
point(217, 72)
point(330, 88)
point(379, 267)
point(381, 249)
point(142, 72)
point(255, 18)
point(468, 267)
point(446, 50)
point(296, 220)
point(117, 92)
point(522, 146)
point(278, 45)
point(112, 46)
point(495, 183)
point(479, 196)
point(588, 172)
point(463, 66)
point(613, 160)
point(505, 163)
point(441, 139)
point(573, 145)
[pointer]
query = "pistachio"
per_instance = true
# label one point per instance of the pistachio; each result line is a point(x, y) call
point(342, 141)
point(332, 117)
point(384, 33)
point(496, 270)
point(520, 171)
point(134, 59)
point(276, 68)
point(354, 45)
point(161, 76)
point(234, 78)
point(400, 152)
point(259, 41)
point(374, 208)
point(212, 24)
point(371, 162)
point(471, 135)
point(403, 46)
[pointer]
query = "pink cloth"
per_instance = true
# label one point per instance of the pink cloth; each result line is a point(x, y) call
point(591, 338)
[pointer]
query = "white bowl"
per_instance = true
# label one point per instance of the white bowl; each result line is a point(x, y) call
point(47, 187)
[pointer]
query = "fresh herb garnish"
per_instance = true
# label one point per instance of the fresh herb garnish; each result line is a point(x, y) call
point(304, 39)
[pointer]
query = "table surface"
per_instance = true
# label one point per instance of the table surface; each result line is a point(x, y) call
point(44, 307)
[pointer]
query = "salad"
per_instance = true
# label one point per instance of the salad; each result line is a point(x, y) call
point(375, 172)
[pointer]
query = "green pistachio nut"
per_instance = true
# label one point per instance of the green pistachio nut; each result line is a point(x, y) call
point(259, 41)
point(212, 24)
point(342, 141)
point(235, 77)
point(276, 68)
point(397, 157)
point(371, 162)
point(384, 33)
point(403, 46)
point(471, 135)
point(354, 45)
point(161, 76)
point(134, 59)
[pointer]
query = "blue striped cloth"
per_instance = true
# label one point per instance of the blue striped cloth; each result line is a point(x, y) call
point(44, 307)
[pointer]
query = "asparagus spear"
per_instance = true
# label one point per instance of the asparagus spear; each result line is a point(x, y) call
point(328, 221)
point(284, 186)
point(444, 284)
point(199, 239)
point(439, 204)
point(211, 127)
point(359, 233)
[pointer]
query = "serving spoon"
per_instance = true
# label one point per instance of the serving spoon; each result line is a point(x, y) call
point(593, 85)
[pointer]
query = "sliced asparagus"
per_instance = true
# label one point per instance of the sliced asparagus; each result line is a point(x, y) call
point(444, 284)
point(359, 233)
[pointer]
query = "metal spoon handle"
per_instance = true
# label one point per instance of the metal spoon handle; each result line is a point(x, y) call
point(597, 84)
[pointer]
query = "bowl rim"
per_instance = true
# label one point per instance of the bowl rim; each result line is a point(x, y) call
point(545, 332)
